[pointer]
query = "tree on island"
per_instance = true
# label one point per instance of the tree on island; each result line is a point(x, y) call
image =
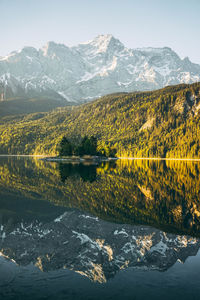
point(65, 147)
point(88, 146)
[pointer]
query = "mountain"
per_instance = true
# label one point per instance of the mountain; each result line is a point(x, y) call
point(161, 123)
point(92, 69)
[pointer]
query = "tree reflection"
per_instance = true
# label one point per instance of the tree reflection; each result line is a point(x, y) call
point(86, 172)
point(162, 194)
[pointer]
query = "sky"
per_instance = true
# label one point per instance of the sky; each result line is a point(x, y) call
point(142, 23)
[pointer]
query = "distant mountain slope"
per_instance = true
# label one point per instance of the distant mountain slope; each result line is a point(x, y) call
point(23, 105)
point(163, 123)
point(90, 70)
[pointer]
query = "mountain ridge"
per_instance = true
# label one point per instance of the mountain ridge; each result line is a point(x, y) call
point(92, 69)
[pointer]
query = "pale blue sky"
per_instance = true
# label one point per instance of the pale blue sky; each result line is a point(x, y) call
point(142, 23)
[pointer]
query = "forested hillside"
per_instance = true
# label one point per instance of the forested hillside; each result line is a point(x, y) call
point(161, 123)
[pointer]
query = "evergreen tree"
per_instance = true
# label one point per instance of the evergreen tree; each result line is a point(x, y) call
point(65, 147)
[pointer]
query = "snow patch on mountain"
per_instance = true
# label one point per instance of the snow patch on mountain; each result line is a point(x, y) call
point(91, 69)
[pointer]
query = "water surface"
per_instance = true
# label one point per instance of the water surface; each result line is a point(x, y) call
point(118, 230)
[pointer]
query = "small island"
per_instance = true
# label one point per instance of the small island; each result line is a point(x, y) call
point(86, 150)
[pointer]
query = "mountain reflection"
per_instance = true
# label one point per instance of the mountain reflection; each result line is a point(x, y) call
point(99, 219)
point(93, 248)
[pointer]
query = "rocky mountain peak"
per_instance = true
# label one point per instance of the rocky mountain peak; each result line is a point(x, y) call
point(29, 51)
point(100, 45)
point(52, 48)
point(104, 42)
point(97, 67)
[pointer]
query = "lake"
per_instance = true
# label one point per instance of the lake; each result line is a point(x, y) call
point(125, 229)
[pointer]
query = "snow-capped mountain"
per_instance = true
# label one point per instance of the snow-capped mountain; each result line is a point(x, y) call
point(92, 69)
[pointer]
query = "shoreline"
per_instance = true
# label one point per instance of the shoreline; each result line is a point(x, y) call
point(159, 158)
point(79, 159)
point(107, 159)
point(22, 155)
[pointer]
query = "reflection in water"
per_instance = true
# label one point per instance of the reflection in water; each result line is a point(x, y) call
point(86, 172)
point(94, 248)
point(96, 220)
point(163, 194)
